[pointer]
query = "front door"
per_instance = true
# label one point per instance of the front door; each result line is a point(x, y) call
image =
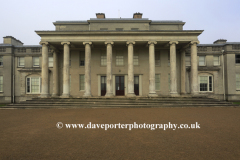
point(119, 85)
point(136, 85)
point(103, 85)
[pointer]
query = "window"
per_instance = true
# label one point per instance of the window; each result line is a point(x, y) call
point(33, 85)
point(216, 60)
point(157, 59)
point(119, 60)
point(35, 61)
point(35, 50)
point(119, 29)
point(135, 59)
point(2, 49)
point(21, 50)
point(168, 59)
point(205, 83)
point(202, 48)
point(103, 60)
point(201, 60)
point(238, 81)
point(236, 46)
point(82, 59)
point(50, 61)
point(21, 62)
point(188, 61)
point(103, 29)
point(81, 82)
point(1, 83)
point(157, 82)
point(1, 60)
point(216, 48)
point(134, 29)
point(237, 57)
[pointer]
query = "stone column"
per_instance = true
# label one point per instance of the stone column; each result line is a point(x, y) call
point(152, 92)
point(87, 69)
point(183, 72)
point(109, 69)
point(194, 68)
point(66, 75)
point(45, 92)
point(130, 70)
point(173, 68)
point(55, 74)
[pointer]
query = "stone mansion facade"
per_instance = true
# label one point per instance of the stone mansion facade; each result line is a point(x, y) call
point(119, 57)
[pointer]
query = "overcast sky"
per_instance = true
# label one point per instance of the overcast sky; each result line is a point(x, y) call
point(218, 18)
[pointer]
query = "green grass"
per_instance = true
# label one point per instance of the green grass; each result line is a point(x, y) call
point(236, 103)
point(2, 105)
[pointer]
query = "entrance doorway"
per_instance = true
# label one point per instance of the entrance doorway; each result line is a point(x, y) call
point(136, 85)
point(103, 86)
point(119, 85)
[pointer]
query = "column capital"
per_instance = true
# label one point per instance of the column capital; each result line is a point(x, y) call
point(84, 43)
point(62, 43)
point(130, 42)
point(152, 42)
point(41, 43)
point(173, 42)
point(194, 42)
point(108, 42)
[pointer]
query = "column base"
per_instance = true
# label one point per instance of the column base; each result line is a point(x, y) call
point(55, 95)
point(44, 95)
point(65, 95)
point(87, 95)
point(109, 95)
point(131, 95)
point(152, 95)
point(174, 94)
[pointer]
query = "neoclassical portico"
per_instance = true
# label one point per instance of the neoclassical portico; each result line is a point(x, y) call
point(109, 75)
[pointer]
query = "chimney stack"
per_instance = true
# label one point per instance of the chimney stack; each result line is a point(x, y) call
point(100, 15)
point(137, 15)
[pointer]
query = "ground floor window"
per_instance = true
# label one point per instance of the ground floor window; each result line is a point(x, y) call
point(82, 82)
point(33, 85)
point(238, 81)
point(157, 82)
point(1, 83)
point(206, 83)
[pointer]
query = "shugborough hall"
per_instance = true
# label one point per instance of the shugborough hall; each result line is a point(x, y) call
point(111, 57)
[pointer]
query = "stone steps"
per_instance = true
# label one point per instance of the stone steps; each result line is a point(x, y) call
point(136, 102)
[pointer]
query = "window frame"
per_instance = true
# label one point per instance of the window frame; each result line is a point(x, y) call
point(201, 61)
point(1, 83)
point(157, 55)
point(117, 60)
point(135, 59)
point(19, 60)
point(186, 62)
point(34, 61)
point(1, 61)
point(103, 60)
point(218, 61)
point(83, 81)
point(50, 62)
point(156, 75)
point(237, 81)
point(237, 59)
point(208, 84)
point(30, 85)
point(81, 56)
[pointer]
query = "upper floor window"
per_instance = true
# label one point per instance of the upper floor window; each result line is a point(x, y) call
point(103, 60)
point(35, 61)
point(188, 61)
point(157, 58)
point(119, 29)
point(216, 48)
point(205, 83)
point(21, 61)
point(238, 81)
point(2, 49)
point(135, 59)
point(119, 60)
point(50, 61)
point(237, 57)
point(157, 82)
point(216, 60)
point(35, 50)
point(82, 59)
point(236, 46)
point(81, 82)
point(1, 83)
point(202, 48)
point(33, 85)
point(202, 60)
point(1, 60)
point(21, 50)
